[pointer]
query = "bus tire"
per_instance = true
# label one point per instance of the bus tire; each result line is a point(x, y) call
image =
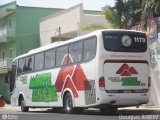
point(109, 110)
point(68, 103)
point(23, 107)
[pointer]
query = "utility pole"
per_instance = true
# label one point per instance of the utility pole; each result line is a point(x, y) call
point(59, 30)
point(78, 29)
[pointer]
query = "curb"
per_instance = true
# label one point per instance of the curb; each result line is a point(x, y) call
point(141, 108)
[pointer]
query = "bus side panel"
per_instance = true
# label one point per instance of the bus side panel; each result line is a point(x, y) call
point(88, 93)
point(42, 89)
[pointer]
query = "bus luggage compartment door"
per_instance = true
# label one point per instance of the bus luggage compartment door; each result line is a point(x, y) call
point(126, 77)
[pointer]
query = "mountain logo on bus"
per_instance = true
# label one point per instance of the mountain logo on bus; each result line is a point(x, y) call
point(71, 77)
point(126, 70)
point(127, 78)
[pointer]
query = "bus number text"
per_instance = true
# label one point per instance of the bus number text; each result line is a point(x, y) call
point(139, 40)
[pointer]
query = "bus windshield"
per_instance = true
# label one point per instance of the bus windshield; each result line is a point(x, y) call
point(121, 41)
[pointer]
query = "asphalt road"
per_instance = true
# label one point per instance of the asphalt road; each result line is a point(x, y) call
point(91, 114)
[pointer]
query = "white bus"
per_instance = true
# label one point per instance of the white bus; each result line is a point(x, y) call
point(105, 69)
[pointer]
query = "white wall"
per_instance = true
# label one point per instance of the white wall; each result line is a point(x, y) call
point(70, 20)
point(66, 19)
point(155, 73)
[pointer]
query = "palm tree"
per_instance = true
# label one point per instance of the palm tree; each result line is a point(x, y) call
point(124, 14)
point(129, 13)
point(112, 16)
point(150, 6)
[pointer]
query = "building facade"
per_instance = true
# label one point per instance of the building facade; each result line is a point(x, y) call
point(19, 33)
point(67, 24)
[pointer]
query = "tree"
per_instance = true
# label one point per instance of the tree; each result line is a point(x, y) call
point(131, 13)
point(150, 6)
point(124, 14)
point(112, 16)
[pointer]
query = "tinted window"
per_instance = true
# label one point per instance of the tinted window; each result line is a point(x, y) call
point(75, 51)
point(21, 65)
point(89, 48)
point(50, 59)
point(122, 41)
point(29, 63)
point(62, 56)
point(39, 61)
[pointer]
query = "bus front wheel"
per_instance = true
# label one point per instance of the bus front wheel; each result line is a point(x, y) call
point(23, 106)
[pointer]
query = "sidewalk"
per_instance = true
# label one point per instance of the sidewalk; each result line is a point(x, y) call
point(142, 108)
point(9, 108)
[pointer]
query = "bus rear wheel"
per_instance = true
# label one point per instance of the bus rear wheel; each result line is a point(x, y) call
point(23, 106)
point(68, 103)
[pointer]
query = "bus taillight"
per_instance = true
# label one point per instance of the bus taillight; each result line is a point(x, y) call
point(101, 82)
point(149, 81)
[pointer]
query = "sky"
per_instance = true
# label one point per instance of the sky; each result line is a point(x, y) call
point(87, 4)
point(97, 4)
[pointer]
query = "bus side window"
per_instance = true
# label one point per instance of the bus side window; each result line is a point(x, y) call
point(49, 58)
point(89, 48)
point(29, 63)
point(39, 61)
point(75, 51)
point(13, 75)
point(61, 55)
point(21, 65)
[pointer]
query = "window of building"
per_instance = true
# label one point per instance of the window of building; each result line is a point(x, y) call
point(6, 79)
point(62, 56)
point(50, 59)
point(29, 64)
point(21, 65)
point(10, 52)
point(89, 48)
point(39, 61)
point(75, 51)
